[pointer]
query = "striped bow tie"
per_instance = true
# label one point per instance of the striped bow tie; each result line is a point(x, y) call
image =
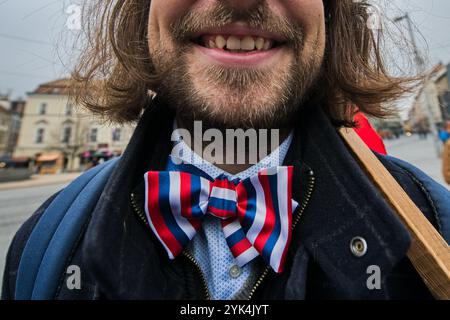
point(255, 213)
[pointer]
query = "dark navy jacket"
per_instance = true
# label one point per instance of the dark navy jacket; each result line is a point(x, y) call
point(120, 258)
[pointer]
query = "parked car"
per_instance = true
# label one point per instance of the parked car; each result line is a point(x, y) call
point(14, 169)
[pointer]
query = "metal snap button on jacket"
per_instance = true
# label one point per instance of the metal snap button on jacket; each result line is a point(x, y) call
point(358, 246)
point(235, 271)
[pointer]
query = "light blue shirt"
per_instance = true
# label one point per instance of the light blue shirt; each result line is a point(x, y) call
point(225, 280)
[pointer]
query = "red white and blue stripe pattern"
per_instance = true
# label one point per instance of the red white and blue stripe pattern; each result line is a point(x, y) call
point(256, 213)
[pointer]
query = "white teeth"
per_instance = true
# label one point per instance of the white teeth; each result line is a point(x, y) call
point(267, 44)
point(220, 42)
point(259, 43)
point(248, 43)
point(233, 43)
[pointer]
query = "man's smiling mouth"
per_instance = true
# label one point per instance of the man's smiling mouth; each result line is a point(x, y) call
point(238, 45)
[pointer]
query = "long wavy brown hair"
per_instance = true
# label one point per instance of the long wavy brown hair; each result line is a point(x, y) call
point(114, 76)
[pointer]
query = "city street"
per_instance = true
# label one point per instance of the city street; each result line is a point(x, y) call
point(420, 153)
point(18, 204)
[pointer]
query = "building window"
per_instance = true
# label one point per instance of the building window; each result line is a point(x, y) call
point(117, 134)
point(43, 109)
point(68, 109)
point(40, 135)
point(67, 133)
point(93, 135)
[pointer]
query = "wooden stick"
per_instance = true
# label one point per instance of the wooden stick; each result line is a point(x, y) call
point(429, 253)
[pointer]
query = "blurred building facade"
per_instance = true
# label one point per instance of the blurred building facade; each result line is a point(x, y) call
point(56, 133)
point(16, 110)
point(435, 94)
point(10, 121)
point(443, 90)
point(4, 128)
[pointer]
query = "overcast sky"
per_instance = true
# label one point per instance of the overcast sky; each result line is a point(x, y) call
point(33, 36)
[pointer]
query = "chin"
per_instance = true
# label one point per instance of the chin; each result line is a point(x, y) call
point(236, 97)
point(236, 110)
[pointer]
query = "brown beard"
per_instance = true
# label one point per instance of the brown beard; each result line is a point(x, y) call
point(254, 98)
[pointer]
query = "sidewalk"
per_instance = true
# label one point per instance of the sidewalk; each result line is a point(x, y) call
point(420, 153)
point(40, 180)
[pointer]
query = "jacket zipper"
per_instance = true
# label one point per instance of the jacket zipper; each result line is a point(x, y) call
point(185, 253)
point(303, 205)
point(138, 210)
point(191, 259)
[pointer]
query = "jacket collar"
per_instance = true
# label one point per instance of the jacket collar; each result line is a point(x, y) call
point(116, 250)
point(344, 204)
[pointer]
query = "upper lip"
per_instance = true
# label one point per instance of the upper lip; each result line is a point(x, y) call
point(239, 29)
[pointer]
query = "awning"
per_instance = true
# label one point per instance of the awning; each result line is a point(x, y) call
point(45, 157)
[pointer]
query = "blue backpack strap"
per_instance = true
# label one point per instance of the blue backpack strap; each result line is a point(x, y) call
point(51, 241)
point(439, 195)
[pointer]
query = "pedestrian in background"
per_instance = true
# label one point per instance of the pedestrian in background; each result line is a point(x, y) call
point(446, 162)
point(444, 136)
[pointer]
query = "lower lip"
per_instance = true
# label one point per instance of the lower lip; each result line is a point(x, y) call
point(232, 59)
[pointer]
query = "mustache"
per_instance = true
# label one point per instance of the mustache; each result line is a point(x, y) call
point(221, 14)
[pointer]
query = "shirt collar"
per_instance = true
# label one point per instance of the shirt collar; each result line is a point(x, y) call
point(187, 155)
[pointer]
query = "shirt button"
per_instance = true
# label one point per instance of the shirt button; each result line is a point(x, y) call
point(358, 247)
point(235, 271)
